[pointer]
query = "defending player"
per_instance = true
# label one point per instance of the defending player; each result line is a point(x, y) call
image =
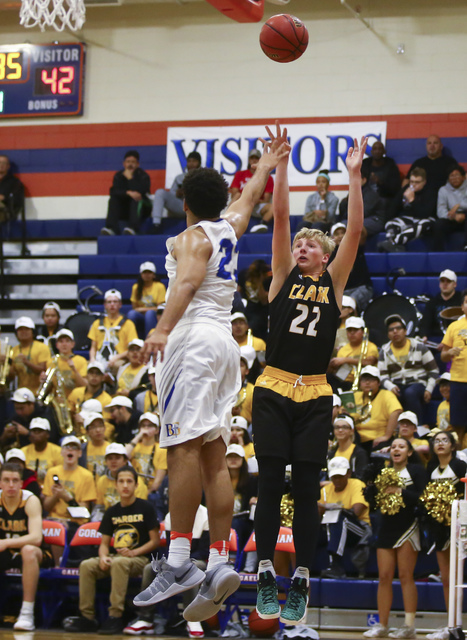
point(292, 401)
point(197, 377)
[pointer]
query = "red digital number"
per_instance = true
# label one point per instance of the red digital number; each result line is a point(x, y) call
point(58, 85)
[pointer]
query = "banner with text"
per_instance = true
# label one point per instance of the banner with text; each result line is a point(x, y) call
point(314, 147)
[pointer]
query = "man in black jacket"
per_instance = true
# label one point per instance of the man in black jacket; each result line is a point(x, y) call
point(128, 197)
point(11, 191)
point(431, 325)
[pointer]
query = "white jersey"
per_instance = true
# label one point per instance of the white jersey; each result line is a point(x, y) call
point(214, 298)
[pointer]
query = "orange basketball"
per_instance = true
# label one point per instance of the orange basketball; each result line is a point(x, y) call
point(213, 622)
point(262, 628)
point(283, 38)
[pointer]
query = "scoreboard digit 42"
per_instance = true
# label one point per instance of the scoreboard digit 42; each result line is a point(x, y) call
point(41, 80)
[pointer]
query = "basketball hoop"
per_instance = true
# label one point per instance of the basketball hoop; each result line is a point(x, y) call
point(53, 13)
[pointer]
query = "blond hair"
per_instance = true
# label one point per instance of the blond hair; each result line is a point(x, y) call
point(327, 244)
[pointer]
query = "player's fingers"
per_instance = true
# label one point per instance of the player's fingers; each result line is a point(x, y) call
point(278, 129)
point(284, 133)
point(270, 134)
point(350, 152)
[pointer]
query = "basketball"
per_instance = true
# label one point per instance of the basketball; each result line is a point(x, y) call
point(262, 628)
point(283, 38)
point(212, 622)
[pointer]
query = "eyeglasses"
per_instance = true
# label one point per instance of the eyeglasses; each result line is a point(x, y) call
point(442, 441)
point(398, 328)
point(341, 427)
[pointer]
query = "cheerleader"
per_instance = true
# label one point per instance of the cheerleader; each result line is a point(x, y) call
point(444, 465)
point(398, 543)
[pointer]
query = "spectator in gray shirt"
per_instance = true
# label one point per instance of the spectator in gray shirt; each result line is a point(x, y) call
point(321, 206)
point(452, 208)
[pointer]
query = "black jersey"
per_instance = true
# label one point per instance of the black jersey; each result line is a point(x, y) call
point(15, 524)
point(304, 318)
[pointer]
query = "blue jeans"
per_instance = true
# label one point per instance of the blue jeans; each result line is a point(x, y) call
point(411, 398)
point(144, 322)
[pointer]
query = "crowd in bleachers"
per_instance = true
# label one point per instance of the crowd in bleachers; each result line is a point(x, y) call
point(81, 431)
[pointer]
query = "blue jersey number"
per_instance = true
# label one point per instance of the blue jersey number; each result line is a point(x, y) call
point(228, 264)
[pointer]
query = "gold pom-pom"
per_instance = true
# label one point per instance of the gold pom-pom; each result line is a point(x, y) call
point(438, 497)
point(287, 508)
point(389, 503)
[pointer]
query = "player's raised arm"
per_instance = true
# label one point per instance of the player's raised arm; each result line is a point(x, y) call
point(345, 258)
point(239, 212)
point(282, 258)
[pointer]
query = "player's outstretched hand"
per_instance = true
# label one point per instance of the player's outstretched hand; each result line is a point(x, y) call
point(153, 345)
point(355, 155)
point(277, 148)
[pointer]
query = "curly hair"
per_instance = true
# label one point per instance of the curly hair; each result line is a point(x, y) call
point(206, 193)
point(327, 243)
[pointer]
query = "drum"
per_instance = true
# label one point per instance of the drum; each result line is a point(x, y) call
point(80, 323)
point(382, 307)
point(450, 314)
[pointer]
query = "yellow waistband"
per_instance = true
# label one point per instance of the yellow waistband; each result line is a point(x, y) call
point(291, 378)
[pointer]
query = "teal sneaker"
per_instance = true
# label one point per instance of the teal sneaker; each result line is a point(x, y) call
point(295, 608)
point(267, 604)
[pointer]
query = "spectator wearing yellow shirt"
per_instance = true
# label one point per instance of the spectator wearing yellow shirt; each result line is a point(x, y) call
point(146, 295)
point(72, 368)
point(111, 335)
point(29, 356)
point(454, 350)
point(443, 420)
point(41, 454)
point(129, 376)
point(348, 356)
point(93, 450)
point(107, 495)
point(94, 390)
point(244, 401)
point(377, 410)
point(145, 453)
point(239, 435)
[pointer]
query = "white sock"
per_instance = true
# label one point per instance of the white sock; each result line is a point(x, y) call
point(27, 608)
point(410, 619)
point(179, 552)
point(216, 558)
point(266, 565)
point(302, 572)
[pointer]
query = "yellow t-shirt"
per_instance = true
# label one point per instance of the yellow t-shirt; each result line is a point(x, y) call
point(443, 419)
point(152, 296)
point(456, 336)
point(347, 351)
point(374, 425)
point(37, 353)
point(352, 494)
point(107, 491)
point(141, 459)
point(249, 450)
point(95, 458)
point(347, 454)
point(151, 402)
point(401, 355)
point(246, 397)
point(128, 378)
point(79, 482)
point(42, 460)
point(69, 377)
point(126, 334)
point(258, 344)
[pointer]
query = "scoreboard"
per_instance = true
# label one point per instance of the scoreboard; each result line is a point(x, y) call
point(42, 80)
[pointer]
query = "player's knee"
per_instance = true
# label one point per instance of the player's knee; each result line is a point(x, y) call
point(30, 553)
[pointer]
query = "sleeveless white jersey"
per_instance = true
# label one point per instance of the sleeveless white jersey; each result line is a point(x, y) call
point(213, 299)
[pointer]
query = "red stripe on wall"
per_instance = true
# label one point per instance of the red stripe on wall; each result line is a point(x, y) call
point(132, 134)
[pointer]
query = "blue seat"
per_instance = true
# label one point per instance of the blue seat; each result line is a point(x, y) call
point(255, 243)
point(245, 260)
point(377, 263)
point(437, 262)
point(124, 286)
point(411, 262)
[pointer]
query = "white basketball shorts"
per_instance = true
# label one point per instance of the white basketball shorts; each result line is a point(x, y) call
point(197, 382)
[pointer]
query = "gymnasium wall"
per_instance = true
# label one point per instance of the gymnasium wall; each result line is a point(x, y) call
point(150, 66)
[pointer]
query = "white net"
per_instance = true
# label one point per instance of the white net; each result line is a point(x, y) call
point(53, 13)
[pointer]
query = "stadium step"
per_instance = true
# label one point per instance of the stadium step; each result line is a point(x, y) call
point(52, 248)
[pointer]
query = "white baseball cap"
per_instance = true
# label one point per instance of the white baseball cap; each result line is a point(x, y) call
point(91, 405)
point(446, 376)
point(355, 323)
point(408, 415)
point(248, 354)
point(64, 332)
point(152, 417)
point(116, 448)
point(51, 305)
point(147, 266)
point(23, 395)
point(237, 449)
point(95, 364)
point(338, 466)
point(336, 401)
point(91, 416)
point(238, 315)
point(70, 440)
point(136, 343)
point(239, 421)
point(369, 370)
point(120, 401)
point(449, 274)
point(347, 419)
point(160, 307)
point(15, 453)
point(347, 301)
point(39, 423)
point(335, 227)
point(26, 322)
point(112, 292)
